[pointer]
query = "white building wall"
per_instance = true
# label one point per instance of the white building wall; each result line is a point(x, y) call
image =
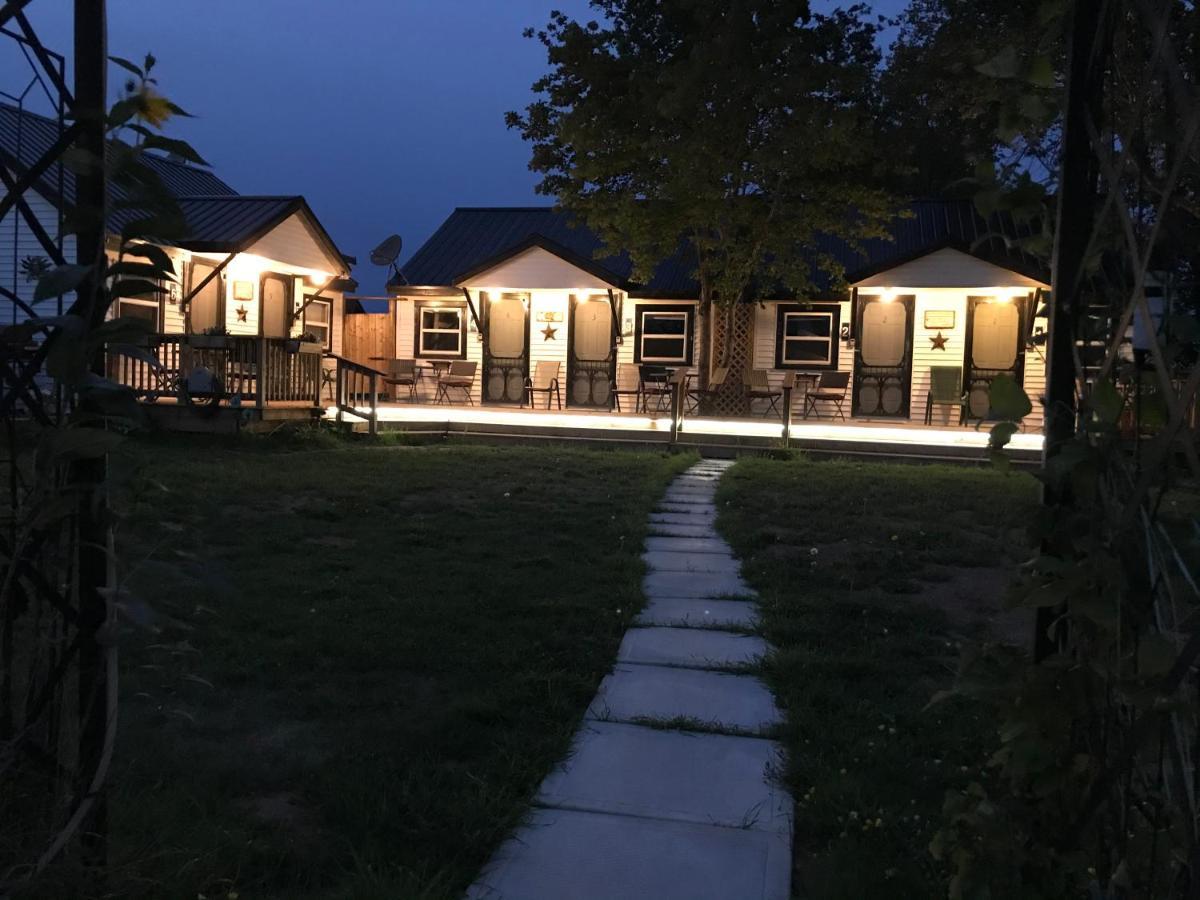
point(17, 242)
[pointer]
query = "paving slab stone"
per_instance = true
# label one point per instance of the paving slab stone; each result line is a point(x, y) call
point(687, 544)
point(739, 702)
point(685, 612)
point(709, 779)
point(678, 518)
point(687, 509)
point(707, 563)
point(702, 480)
point(693, 648)
point(568, 855)
point(695, 584)
point(677, 530)
point(688, 498)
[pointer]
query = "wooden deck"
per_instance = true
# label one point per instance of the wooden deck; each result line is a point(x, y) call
point(712, 436)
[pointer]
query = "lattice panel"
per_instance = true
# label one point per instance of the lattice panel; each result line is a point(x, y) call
point(731, 400)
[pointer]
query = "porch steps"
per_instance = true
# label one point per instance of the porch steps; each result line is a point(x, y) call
point(668, 791)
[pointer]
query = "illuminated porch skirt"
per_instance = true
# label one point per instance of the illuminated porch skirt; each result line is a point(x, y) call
point(801, 431)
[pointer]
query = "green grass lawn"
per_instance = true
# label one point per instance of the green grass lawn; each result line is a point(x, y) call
point(368, 659)
point(871, 577)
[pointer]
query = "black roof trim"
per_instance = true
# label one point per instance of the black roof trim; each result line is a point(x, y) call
point(423, 290)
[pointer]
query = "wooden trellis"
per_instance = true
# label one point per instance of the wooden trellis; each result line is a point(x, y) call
point(738, 322)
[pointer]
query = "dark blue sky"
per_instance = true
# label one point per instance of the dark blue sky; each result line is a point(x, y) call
point(384, 114)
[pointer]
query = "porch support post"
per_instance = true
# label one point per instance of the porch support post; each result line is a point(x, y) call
point(474, 312)
point(185, 305)
point(789, 382)
point(616, 324)
point(295, 317)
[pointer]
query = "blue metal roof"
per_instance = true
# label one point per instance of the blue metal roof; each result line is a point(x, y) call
point(475, 238)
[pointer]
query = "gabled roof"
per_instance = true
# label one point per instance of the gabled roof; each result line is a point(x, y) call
point(231, 224)
point(474, 239)
point(218, 218)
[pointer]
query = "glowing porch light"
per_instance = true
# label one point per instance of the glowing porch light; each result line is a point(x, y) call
point(318, 278)
point(888, 295)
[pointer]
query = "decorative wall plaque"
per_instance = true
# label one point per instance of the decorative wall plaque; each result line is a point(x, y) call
point(939, 318)
point(549, 315)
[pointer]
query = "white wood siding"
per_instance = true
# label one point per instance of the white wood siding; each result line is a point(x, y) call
point(625, 350)
point(554, 350)
point(406, 327)
point(536, 269)
point(948, 268)
point(17, 242)
point(765, 318)
point(294, 240)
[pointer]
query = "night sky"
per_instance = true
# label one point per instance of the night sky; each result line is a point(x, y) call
point(384, 114)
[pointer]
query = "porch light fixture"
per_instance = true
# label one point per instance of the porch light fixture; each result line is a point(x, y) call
point(888, 295)
point(318, 278)
point(243, 290)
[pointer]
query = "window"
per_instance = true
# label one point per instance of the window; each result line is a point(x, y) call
point(318, 319)
point(144, 308)
point(806, 337)
point(441, 331)
point(664, 334)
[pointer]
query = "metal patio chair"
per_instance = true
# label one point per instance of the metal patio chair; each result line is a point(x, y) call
point(758, 387)
point(656, 383)
point(831, 388)
point(697, 396)
point(402, 373)
point(544, 381)
point(460, 377)
point(629, 384)
point(945, 389)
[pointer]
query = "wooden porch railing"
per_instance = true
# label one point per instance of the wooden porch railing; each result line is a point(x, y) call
point(257, 370)
point(356, 385)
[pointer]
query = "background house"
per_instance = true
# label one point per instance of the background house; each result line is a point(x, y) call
point(270, 254)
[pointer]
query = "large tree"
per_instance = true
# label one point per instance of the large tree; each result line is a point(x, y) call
point(743, 127)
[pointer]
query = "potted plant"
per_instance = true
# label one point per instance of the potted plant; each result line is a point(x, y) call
point(215, 337)
point(305, 342)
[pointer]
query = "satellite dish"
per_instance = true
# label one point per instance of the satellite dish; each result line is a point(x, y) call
point(387, 253)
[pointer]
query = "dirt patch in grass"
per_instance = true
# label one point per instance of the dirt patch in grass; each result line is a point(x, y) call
point(972, 598)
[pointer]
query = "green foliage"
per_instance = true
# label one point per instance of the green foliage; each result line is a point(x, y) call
point(738, 127)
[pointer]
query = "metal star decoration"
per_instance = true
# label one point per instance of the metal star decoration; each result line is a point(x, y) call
point(241, 313)
point(939, 341)
point(548, 333)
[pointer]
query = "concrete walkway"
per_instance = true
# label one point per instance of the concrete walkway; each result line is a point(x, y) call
point(641, 809)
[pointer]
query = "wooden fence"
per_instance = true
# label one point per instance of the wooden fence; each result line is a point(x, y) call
point(370, 338)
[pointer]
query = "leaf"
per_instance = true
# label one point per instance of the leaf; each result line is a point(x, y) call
point(1041, 72)
point(134, 352)
point(1008, 399)
point(1001, 434)
point(1107, 402)
point(60, 280)
point(175, 146)
point(72, 443)
point(156, 254)
point(127, 65)
point(1004, 64)
point(138, 269)
point(136, 287)
point(123, 329)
